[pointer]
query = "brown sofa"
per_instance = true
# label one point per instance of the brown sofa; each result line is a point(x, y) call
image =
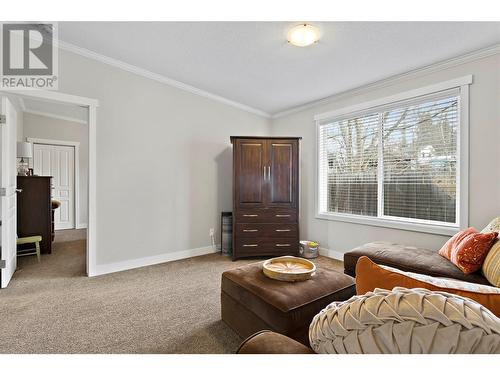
point(405, 258)
point(409, 259)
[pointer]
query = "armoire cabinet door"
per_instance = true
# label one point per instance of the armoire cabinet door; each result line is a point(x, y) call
point(283, 173)
point(249, 163)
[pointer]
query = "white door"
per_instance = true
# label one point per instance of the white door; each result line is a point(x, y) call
point(59, 162)
point(8, 137)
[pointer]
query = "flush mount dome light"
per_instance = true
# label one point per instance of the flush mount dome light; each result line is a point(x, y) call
point(303, 35)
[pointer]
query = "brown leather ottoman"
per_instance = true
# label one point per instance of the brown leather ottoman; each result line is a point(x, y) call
point(251, 302)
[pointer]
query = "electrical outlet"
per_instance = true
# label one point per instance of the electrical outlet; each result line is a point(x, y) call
point(211, 232)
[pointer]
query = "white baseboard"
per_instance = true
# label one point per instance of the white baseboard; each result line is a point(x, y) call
point(102, 269)
point(331, 253)
point(81, 226)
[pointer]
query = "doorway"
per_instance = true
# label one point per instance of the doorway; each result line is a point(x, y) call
point(63, 164)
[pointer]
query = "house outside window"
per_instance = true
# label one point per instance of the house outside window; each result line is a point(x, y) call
point(398, 162)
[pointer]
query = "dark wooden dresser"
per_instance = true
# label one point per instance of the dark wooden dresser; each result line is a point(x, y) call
point(265, 196)
point(34, 209)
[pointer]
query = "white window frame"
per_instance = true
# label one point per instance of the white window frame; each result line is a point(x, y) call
point(462, 84)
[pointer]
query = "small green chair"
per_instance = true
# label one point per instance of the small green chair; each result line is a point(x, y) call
point(26, 240)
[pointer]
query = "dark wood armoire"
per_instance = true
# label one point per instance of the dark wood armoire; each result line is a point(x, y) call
point(265, 196)
point(34, 209)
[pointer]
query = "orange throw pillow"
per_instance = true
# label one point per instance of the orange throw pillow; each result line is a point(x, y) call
point(468, 248)
point(454, 241)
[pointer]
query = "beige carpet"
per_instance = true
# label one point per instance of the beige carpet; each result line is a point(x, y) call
point(52, 307)
point(66, 235)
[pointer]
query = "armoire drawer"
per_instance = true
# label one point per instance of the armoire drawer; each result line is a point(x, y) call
point(259, 246)
point(254, 230)
point(266, 216)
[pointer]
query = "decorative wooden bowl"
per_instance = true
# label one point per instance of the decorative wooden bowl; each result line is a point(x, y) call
point(289, 268)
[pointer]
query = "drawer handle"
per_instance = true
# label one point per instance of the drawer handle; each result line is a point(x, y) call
point(282, 245)
point(282, 230)
point(282, 215)
point(250, 230)
point(253, 215)
point(252, 245)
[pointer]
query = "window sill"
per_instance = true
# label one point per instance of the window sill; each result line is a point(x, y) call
point(445, 230)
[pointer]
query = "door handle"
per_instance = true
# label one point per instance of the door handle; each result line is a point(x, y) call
point(282, 230)
point(247, 215)
point(268, 169)
point(250, 230)
point(253, 245)
point(19, 190)
point(282, 215)
point(282, 245)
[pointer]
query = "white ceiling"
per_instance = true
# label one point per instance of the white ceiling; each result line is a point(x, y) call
point(251, 63)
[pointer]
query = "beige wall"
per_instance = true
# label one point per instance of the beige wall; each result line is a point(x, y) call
point(163, 160)
point(36, 126)
point(484, 172)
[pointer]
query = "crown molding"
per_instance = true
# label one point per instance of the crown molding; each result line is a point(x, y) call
point(22, 104)
point(157, 77)
point(415, 73)
point(48, 114)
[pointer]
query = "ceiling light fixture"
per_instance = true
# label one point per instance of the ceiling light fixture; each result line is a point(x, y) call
point(303, 35)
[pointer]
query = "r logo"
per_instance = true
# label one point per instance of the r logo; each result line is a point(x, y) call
point(27, 49)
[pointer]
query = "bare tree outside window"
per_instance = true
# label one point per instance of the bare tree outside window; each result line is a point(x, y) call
point(352, 158)
point(418, 153)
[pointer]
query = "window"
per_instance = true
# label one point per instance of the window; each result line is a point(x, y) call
point(394, 164)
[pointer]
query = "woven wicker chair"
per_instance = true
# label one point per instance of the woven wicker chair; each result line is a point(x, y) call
point(399, 321)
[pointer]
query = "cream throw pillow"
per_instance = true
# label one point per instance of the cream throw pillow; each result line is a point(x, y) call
point(405, 321)
point(493, 226)
point(491, 265)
